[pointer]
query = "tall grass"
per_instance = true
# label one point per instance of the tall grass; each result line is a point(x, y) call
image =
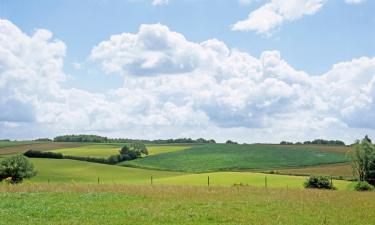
point(122, 204)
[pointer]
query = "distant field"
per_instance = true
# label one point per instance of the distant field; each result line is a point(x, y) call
point(164, 205)
point(97, 150)
point(105, 150)
point(341, 169)
point(15, 143)
point(160, 149)
point(63, 170)
point(222, 157)
point(21, 147)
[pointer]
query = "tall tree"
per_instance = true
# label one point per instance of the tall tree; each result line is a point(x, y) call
point(363, 160)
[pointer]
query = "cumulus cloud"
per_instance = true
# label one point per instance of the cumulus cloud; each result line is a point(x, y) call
point(174, 87)
point(160, 2)
point(274, 13)
point(353, 2)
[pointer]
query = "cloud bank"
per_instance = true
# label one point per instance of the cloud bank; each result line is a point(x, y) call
point(174, 87)
point(274, 13)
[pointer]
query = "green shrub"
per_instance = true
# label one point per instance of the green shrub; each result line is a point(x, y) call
point(363, 186)
point(17, 168)
point(319, 182)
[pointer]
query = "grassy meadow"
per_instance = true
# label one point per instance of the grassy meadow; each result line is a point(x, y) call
point(121, 204)
point(223, 157)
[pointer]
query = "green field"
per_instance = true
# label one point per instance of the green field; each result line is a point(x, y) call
point(97, 150)
point(164, 205)
point(105, 150)
point(64, 170)
point(15, 143)
point(222, 157)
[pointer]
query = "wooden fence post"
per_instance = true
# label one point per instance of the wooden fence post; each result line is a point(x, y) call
point(265, 181)
point(98, 180)
point(152, 180)
point(208, 181)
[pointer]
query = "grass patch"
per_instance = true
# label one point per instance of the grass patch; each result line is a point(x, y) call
point(160, 149)
point(222, 157)
point(67, 171)
point(118, 204)
point(97, 150)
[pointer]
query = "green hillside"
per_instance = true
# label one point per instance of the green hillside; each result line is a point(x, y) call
point(223, 157)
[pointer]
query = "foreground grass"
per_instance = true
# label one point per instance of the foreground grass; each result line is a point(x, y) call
point(119, 204)
point(219, 157)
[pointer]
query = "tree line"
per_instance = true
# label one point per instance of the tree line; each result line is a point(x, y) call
point(315, 142)
point(101, 139)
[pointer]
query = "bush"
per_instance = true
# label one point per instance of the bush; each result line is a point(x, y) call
point(17, 167)
point(320, 182)
point(363, 186)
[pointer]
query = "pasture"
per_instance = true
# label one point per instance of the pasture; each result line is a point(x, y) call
point(121, 204)
point(223, 157)
point(72, 171)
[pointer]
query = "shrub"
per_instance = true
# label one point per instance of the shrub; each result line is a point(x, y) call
point(363, 186)
point(17, 167)
point(320, 182)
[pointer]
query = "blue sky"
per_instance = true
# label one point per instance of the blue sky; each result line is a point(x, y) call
point(310, 36)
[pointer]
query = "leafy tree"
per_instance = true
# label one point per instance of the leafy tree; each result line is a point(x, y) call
point(17, 167)
point(139, 147)
point(363, 160)
point(231, 142)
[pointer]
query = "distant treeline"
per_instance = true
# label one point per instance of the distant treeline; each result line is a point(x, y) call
point(100, 139)
point(315, 142)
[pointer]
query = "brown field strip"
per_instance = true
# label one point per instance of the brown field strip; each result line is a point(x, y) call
point(38, 146)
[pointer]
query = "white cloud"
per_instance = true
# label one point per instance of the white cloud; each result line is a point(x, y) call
point(206, 90)
point(274, 13)
point(353, 2)
point(160, 2)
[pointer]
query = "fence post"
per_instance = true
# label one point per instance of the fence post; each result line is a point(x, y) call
point(152, 180)
point(98, 180)
point(265, 181)
point(48, 181)
point(208, 181)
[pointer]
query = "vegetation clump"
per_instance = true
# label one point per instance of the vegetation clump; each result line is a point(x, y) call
point(16, 168)
point(319, 182)
point(363, 186)
point(40, 154)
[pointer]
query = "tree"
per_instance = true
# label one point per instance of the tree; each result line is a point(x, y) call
point(17, 167)
point(139, 147)
point(363, 160)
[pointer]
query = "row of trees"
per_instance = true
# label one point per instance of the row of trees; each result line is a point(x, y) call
point(315, 142)
point(100, 139)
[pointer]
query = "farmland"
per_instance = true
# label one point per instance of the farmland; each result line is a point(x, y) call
point(222, 157)
point(105, 150)
point(119, 204)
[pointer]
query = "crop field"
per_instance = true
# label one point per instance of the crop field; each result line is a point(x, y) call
point(21, 147)
point(105, 150)
point(222, 157)
point(97, 150)
point(161, 205)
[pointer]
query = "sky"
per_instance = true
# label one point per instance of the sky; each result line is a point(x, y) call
point(245, 70)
